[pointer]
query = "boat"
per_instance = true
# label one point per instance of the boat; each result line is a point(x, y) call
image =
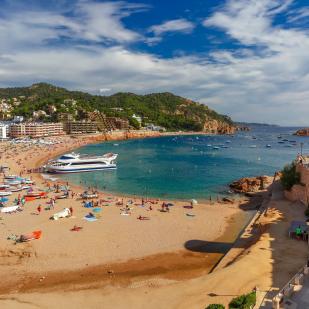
point(4, 187)
point(252, 146)
point(215, 147)
point(10, 177)
point(16, 189)
point(268, 146)
point(9, 209)
point(5, 193)
point(35, 194)
point(75, 163)
point(12, 182)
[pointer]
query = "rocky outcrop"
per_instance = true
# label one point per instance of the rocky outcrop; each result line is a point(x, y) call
point(251, 184)
point(302, 132)
point(218, 127)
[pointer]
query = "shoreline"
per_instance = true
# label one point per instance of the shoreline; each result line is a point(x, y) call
point(100, 264)
point(167, 264)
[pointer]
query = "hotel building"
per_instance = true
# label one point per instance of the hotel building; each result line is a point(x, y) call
point(36, 129)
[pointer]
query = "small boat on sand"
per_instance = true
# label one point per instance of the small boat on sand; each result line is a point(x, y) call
point(5, 193)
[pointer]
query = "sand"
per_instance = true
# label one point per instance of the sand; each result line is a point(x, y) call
point(115, 252)
point(122, 262)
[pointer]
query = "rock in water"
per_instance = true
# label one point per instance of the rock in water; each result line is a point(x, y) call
point(251, 184)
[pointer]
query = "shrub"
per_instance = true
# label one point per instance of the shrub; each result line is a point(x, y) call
point(289, 176)
point(246, 301)
point(215, 306)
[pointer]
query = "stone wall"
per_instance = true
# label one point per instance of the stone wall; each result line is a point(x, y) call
point(304, 174)
point(300, 192)
point(297, 193)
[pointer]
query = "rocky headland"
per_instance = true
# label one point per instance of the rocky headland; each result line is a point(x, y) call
point(302, 132)
point(251, 184)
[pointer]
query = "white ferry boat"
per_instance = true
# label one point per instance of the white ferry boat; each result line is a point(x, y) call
point(75, 163)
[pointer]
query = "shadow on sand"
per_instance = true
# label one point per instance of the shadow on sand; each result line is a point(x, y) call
point(203, 246)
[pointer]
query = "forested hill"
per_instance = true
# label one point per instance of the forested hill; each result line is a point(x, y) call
point(164, 109)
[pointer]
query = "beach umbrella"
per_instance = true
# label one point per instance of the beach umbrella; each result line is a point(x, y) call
point(194, 202)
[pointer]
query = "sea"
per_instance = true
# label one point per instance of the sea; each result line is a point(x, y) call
point(191, 166)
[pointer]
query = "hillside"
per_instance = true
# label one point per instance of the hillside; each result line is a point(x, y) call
point(163, 109)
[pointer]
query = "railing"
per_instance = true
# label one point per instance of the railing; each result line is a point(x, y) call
point(288, 289)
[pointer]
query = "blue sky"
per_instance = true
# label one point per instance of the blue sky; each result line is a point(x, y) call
point(245, 58)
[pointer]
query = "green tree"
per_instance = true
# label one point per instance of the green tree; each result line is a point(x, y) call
point(289, 176)
point(246, 301)
point(134, 123)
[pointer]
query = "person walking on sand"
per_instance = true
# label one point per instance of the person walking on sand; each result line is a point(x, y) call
point(39, 209)
point(71, 211)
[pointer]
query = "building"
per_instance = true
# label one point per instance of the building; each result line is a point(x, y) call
point(137, 118)
point(4, 131)
point(80, 127)
point(152, 127)
point(65, 117)
point(36, 129)
point(119, 123)
point(39, 113)
point(18, 119)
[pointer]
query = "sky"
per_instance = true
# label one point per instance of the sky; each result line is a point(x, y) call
point(248, 59)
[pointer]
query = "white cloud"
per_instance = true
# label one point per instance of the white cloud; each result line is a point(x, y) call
point(299, 15)
point(90, 21)
point(102, 90)
point(176, 25)
point(268, 84)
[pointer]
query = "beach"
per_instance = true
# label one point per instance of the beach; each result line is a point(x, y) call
point(124, 244)
point(122, 261)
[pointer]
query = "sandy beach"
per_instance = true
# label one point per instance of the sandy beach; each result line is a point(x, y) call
point(163, 245)
point(120, 261)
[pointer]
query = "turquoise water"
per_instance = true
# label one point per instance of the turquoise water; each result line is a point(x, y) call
point(186, 166)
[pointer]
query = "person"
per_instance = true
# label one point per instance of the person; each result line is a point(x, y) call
point(39, 209)
point(71, 210)
point(298, 231)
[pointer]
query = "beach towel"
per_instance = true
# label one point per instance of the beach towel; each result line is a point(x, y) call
point(96, 210)
point(31, 236)
point(76, 228)
point(90, 219)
